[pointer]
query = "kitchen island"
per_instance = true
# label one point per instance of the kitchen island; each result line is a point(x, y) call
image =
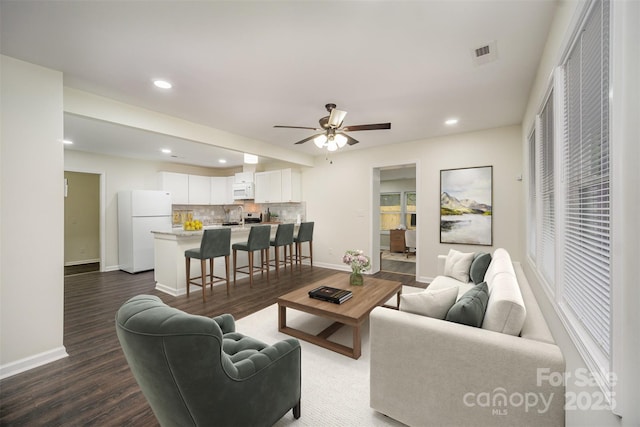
point(169, 248)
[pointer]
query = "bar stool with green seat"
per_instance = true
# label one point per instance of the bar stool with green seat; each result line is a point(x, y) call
point(305, 234)
point(284, 238)
point(259, 238)
point(215, 243)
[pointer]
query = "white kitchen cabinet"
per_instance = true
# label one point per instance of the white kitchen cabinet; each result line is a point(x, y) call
point(222, 190)
point(243, 177)
point(177, 184)
point(291, 186)
point(278, 186)
point(268, 187)
point(199, 190)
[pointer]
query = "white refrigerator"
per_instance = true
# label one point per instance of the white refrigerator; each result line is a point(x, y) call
point(139, 213)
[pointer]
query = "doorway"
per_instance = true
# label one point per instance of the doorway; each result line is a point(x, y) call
point(82, 228)
point(395, 221)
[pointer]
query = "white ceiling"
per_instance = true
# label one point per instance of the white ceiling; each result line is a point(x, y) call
point(244, 66)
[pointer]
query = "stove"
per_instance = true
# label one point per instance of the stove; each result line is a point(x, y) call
point(251, 218)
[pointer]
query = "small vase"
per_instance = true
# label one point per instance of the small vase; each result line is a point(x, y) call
point(356, 279)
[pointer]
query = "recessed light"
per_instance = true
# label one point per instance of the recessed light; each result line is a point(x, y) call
point(66, 141)
point(222, 161)
point(166, 151)
point(451, 122)
point(162, 84)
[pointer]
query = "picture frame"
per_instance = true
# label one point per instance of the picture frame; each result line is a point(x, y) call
point(466, 206)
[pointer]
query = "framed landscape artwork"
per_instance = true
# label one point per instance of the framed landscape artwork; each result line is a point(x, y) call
point(466, 198)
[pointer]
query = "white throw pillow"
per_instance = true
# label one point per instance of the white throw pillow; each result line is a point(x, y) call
point(458, 264)
point(434, 303)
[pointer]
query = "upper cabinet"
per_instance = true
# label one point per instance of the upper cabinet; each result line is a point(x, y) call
point(291, 185)
point(177, 184)
point(278, 186)
point(222, 190)
point(199, 190)
point(268, 188)
point(243, 177)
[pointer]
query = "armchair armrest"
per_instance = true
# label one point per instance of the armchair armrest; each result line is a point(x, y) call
point(434, 372)
point(257, 357)
point(226, 322)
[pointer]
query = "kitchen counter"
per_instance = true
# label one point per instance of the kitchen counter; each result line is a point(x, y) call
point(169, 248)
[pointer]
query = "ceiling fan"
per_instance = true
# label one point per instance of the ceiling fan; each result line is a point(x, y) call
point(333, 135)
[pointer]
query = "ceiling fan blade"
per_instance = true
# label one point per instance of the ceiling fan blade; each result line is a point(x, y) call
point(336, 117)
point(376, 126)
point(350, 140)
point(308, 139)
point(295, 127)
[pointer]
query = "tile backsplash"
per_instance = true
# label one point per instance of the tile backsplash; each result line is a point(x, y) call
point(216, 214)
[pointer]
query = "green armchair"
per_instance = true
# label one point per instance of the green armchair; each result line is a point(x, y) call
point(197, 371)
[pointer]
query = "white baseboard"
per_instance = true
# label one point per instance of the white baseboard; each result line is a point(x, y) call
point(111, 268)
point(84, 261)
point(31, 362)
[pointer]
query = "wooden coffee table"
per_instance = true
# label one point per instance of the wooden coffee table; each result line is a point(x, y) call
point(353, 312)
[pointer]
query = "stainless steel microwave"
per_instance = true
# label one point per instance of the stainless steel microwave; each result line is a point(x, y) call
point(243, 191)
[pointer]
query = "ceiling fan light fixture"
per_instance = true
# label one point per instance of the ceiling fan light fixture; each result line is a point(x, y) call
point(340, 140)
point(320, 140)
point(336, 117)
point(332, 146)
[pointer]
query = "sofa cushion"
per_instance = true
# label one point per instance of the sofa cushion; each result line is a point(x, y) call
point(481, 261)
point(458, 264)
point(443, 282)
point(431, 303)
point(506, 311)
point(470, 308)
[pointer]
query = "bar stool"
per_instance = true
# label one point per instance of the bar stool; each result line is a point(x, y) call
point(215, 243)
point(284, 238)
point(259, 236)
point(305, 234)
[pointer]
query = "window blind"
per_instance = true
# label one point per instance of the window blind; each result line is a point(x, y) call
point(532, 217)
point(587, 281)
point(547, 193)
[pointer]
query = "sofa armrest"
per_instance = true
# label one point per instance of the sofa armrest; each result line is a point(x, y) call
point(428, 371)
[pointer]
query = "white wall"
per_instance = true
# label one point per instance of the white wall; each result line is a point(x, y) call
point(31, 210)
point(122, 174)
point(625, 111)
point(339, 195)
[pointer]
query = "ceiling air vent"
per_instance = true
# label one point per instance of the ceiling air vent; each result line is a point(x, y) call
point(485, 53)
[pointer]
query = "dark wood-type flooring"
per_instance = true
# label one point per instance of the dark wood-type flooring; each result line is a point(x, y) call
point(94, 386)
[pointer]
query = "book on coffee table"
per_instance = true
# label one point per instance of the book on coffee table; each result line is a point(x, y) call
point(327, 293)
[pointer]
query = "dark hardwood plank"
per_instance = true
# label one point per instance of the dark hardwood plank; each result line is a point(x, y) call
point(94, 386)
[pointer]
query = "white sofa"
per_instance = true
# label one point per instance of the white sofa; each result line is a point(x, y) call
point(431, 372)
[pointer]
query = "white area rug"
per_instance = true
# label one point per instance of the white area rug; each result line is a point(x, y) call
point(335, 388)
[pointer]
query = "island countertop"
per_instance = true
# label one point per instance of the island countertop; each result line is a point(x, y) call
point(169, 248)
point(235, 229)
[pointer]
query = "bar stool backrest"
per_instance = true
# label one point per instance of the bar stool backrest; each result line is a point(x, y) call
point(215, 242)
point(259, 237)
point(284, 234)
point(305, 232)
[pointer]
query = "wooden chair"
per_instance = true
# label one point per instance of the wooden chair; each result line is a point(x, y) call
point(259, 239)
point(284, 238)
point(215, 243)
point(305, 234)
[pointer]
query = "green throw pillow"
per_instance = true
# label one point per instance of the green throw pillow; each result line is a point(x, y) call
point(479, 267)
point(470, 308)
